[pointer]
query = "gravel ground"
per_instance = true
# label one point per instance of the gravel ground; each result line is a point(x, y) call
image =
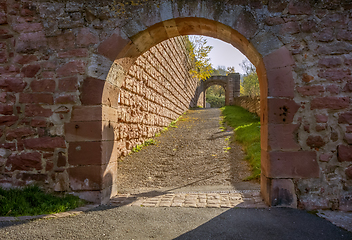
point(193, 154)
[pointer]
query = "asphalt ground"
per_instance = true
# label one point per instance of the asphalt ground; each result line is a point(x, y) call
point(134, 222)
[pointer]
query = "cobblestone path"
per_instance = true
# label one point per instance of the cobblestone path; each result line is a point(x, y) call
point(229, 199)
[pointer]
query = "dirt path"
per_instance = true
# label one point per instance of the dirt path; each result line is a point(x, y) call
point(193, 154)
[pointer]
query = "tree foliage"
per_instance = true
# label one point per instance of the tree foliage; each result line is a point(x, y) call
point(249, 82)
point(198, 53)
point(223, 71)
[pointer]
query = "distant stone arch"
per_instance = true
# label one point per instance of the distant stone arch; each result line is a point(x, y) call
point(230, 83)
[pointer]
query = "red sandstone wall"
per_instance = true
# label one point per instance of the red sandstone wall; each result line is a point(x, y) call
point(157, 90)
point(42, 73)
point(50, 51)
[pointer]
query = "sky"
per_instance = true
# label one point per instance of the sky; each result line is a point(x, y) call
point(224, 54)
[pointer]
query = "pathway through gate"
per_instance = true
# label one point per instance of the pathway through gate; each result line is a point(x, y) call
point(190, 165)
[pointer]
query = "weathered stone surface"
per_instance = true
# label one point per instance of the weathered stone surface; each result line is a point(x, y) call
point(45, 85)
point(315, 141)
point(348, 172)
point(312, 90)
point(19, 133)
point(71, 68)
point(330, 103)
point(12, 84)
point(282, 137)
point(344, 153)
point(25, 161)
point(34, 110)
point(45, 143)
point(320, 118)
point(28, 42)
point(345, 117)
point(301, 164)
point(281, 110)
point(348, 138)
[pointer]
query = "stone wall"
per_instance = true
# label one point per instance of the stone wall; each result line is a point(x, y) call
point(42, 78)
point(156, 91)
point(252, 104)
point(63, 63)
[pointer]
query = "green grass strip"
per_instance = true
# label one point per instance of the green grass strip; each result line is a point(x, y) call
point(31, 200)
point(247, 132)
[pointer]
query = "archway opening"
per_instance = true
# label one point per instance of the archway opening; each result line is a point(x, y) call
point(125, 45)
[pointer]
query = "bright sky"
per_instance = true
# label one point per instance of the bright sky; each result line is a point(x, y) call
point(224, 54)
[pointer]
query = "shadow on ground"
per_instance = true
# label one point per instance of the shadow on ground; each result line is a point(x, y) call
point(274, 223)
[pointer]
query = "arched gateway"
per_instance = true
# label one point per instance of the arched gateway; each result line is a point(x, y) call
point(304, 91)
point(230, 83)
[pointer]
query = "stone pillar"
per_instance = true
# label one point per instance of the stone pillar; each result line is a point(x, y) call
point(233, 88)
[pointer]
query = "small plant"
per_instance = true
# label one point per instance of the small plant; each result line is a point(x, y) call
point(146, 143)
point(226, 149)
point(32, 200)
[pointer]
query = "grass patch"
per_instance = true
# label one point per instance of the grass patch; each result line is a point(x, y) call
point(31, 200)
point(247, 132)
point(146, 143)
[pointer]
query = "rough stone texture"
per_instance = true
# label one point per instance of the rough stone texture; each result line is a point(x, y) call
point(55, 57)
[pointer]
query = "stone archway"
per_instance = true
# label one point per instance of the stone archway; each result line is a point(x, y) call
point(230, 83)
point(62, 64)
point(270, 60)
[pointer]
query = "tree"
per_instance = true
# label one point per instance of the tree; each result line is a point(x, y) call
point(198, 53)
point(223, 71)
point(249, 83)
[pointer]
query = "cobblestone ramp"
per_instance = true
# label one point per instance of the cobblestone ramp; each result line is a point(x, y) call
point(228, 199)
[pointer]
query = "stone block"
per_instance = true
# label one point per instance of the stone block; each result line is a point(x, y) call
point(45, 85)
point(315, 141)
point(345, 117)
point(62, 41)
point(83, 131)
point(69, 84)
point(35, 110)
point(19, 133)
point(266, 43)
point(28, 42)
point(45, 98)
point(312, 90)
point(85, 177)
point(300, 164)
point(6, 109)
point(8, 120)
point(11, 84)
point(300, 8)
point(45, 143)
point(278, 192)
point(96, 92)
point(344, 153)
point(66, 99)
point(85, 37)
point(330, 62)
point(321, 118)
point(24, 161)
point(334, 103)
point(280, 82)
point(30, 70)
point(282, 137)
point(71, 68)
point(278, 59)
point(281, 111)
